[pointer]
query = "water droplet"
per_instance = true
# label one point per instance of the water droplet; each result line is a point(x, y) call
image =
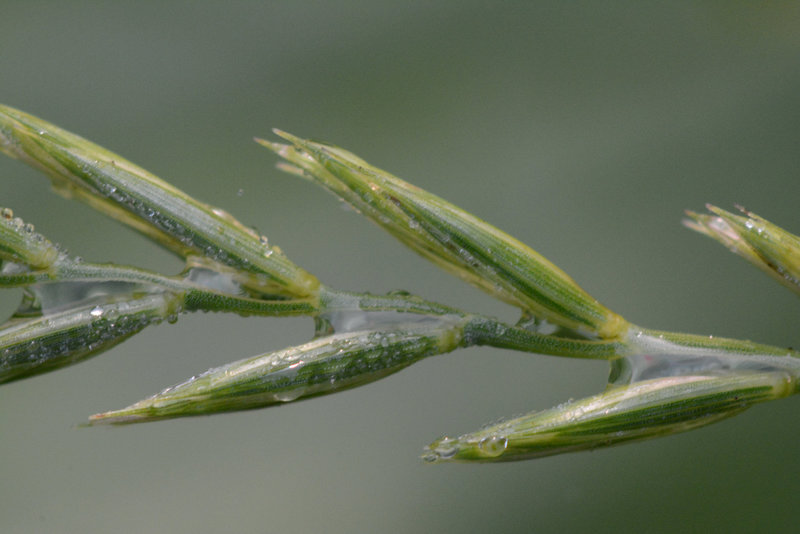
point(346, 206)
point(172, 318)
point(6, 213)
point(493, 446)
point(240, 192)
point(97, 311)
point(289, 396)
point(446, 448)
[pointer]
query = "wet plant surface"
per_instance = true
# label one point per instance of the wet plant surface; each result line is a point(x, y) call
point(661, 382)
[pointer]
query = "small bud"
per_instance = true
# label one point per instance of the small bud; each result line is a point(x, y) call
point(322, 366)
point(66, 336)
point(765, 245)
point(20, 243)
point(643, 410)
point(78, 168)
point(452, 238)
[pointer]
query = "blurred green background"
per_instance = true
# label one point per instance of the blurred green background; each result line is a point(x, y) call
point(582, 128)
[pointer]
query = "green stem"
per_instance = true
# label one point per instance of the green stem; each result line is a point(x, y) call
point(196, 296)
point(331, 300)
point(487, 331)
point(478, 329)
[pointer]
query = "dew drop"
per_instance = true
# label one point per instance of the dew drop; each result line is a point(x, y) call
point(346, 206)
point(289, 396)
point(97, 311)
point(446, 448)
point(6, 213)
point(493, 446)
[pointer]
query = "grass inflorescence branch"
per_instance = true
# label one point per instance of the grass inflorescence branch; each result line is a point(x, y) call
point(660, 382)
